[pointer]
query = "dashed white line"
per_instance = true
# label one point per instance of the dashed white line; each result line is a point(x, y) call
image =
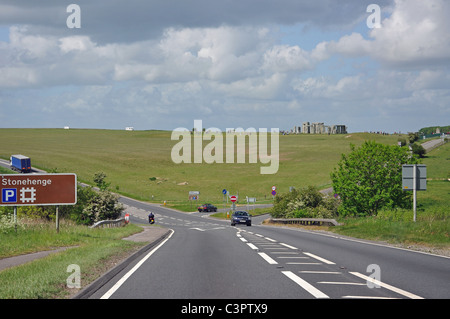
point(268, 259)
point(289, 246)
point(382, 284)
point(308, 287)
point(320, 259)
point(252, 246)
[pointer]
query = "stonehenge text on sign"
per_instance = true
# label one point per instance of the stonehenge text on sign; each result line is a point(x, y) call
point(38, 189)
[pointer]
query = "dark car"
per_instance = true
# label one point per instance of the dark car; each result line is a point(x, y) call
point(241, 217)
point(207, 208)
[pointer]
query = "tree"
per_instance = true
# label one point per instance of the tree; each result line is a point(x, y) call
point(99, 180)
point(370, 178)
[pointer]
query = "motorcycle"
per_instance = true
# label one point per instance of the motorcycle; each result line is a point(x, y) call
point(151, 219)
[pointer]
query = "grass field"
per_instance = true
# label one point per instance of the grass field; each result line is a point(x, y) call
point(139, 164)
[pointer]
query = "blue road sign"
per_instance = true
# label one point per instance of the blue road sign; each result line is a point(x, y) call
point(224, 192)
point(9, 195)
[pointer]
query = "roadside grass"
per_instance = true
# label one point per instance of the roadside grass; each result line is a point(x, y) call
point(94, 250)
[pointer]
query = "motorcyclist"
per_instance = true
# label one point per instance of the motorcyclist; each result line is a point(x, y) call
point(151, 218)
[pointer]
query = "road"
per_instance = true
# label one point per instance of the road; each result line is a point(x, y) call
point(206, 258)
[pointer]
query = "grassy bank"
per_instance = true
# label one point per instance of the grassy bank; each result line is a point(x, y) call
point(94, 250)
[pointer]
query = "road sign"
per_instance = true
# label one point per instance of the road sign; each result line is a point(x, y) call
point(414, 177)
point(408, 177)
point(224, 191)
point(38, 189)
point(274, 193)
point(233, 198)
point(274, 188)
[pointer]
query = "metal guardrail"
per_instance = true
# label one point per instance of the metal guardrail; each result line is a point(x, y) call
point(306, 221)
point(109, 223)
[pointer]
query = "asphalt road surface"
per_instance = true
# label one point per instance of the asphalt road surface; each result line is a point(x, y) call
point(206, 258)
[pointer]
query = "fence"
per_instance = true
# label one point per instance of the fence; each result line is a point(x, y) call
point(306, 221)
point(109, 223)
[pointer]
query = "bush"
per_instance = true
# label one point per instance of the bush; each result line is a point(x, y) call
point(7, 223)
point(418, 149)
point(304, 203)
point(103, 206)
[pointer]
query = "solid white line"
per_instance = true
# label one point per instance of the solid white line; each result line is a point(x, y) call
point(308, 287)
point(252, 246)
point(114, 288)
point(382, 284)
point(320, 258)
point(288, 246)
point(268, 259)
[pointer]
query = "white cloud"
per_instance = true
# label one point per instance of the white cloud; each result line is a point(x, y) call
point(214, 70)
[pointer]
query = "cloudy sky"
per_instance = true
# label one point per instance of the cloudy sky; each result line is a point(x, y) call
point(161, 64)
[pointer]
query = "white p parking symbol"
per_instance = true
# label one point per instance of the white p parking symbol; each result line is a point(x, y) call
point(9, 195)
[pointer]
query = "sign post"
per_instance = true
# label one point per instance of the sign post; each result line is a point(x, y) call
point(233, 199)
point(38, 190)
point(414, 178)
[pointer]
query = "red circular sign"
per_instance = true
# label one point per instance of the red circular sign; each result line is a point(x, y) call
point(233, 198)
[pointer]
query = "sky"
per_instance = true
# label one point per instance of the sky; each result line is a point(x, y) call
point(154, 64)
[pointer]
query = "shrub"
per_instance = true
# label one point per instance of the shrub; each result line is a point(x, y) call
point(304, 203)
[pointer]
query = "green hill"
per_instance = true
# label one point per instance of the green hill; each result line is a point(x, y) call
point(139, 164)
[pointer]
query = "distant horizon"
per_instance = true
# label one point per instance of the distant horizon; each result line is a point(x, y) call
point(222, 130)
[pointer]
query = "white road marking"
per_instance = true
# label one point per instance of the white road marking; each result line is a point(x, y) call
point(289, 246)
point(341, 283)
point(303, 263)
point(382, 284)
point(308, 287)
point(114, 288)
point(320, 258)
point(320, 272)
point(270, 239)
point(252, 246)
point(268, 259)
